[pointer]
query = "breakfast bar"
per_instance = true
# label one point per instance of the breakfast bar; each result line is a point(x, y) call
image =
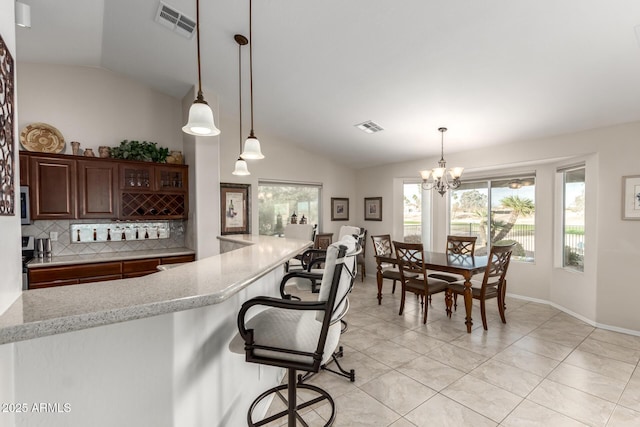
point(168, 364)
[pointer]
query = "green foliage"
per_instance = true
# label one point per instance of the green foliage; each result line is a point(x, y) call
point(141, 151)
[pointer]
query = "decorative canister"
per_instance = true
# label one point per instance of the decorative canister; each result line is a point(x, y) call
point(103, 151)
point(88, 152)
point(75, 147)
point(175, 157)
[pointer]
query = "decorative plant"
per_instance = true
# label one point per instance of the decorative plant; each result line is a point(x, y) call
point(143, 151)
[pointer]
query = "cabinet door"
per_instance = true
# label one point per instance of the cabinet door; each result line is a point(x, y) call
point(136, 177)
point(97, 189)
point(24, 169)
point(53, 188)
point(171, 178)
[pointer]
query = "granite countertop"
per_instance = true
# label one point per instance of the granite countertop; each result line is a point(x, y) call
point(108, 256)
point(42, 312)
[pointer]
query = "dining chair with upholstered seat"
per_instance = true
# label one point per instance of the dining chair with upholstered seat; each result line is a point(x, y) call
point(493, 285)
point(457, 245)
point(413, 275)
point(382, 246)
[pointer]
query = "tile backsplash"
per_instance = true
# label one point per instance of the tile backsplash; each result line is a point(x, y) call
point(160, 235)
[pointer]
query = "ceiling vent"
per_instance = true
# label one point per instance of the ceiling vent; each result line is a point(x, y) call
point(369, 127)
point(175, 21)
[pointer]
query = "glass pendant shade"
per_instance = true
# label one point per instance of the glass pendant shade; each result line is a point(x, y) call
point(201, 120)
point(241, 168)
point(252, 149)
point(425, 174)
point(456, 172)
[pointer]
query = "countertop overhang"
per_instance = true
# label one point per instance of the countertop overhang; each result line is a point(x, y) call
point(43, 312)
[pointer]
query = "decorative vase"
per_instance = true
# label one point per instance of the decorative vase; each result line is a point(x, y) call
point(103, 151)
point(88, 152)
point(75, 147)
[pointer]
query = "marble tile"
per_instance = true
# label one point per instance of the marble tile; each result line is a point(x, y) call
point(631, 396)
point(588, 381)
point(444, 412)
point(617, 338)
point(366, 368)
point(573, 403)
point(623, 417)
point(398, 391)
point(529, 414)
point(385, 330)
point(392, 354)
point(431, 373)
point(459, 358)
point(359, 409)
point(612, 351)
point(510, 378)
point(486, 343)
point(360, 339)
point(493, 402)
point(418, 342)
point(602, 365)
point(402, 422)
point(557, 336)
point(544, 348)
point(530, 362)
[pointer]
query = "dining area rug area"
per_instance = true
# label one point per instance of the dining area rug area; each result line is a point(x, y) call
point(543, 367)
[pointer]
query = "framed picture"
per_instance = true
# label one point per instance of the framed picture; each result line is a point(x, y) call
point(373, 208)
point(235, 208)
point(339, 209)
point(631, 197)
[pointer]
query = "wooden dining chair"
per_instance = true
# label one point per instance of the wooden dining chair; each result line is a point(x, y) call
point(382, 247)
point(457, 245)
point(413, 275)
point(493, 285)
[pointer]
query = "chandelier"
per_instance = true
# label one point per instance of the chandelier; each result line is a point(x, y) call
point(438, 178)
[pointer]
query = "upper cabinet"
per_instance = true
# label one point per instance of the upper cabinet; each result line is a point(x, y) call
point(97, 189)
point(53, 187)
point(71, 187)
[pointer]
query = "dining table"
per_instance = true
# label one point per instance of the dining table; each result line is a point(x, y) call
point(464, 265)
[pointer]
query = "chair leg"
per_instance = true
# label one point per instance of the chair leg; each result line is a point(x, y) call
point(448, 300)
point(350, 374)
point(393, 290)
point(501, 306)
point(483, 313)
point(426, 310)
point(455, 302)
point(292, 413)
point(363, 273)
point(401, 303)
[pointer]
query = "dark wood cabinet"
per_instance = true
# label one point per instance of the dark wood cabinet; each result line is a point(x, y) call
point(97, 189)
point(53, 187)
point(71, 187)
point(45, 277)
point(24, 169)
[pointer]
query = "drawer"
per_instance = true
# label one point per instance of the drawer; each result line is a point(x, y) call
point(178, 259)
point(140, 265)
point(78, 271)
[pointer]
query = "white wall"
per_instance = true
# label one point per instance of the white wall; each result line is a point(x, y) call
point(97, 107)
point(283, 161)
point(607, 292)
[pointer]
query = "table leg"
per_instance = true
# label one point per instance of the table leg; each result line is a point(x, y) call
point(468, 303)
point(379, 279)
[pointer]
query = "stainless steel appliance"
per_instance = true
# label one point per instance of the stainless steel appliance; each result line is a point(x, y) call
point(28, 247)
point(24, 205)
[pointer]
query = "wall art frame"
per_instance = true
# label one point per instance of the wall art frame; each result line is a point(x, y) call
point(373, 208)
point(235, 208)
point(631, 197)
point(7, 134)
point(339, 209)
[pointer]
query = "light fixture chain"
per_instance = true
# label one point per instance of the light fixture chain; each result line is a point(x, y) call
point(251, 61)
point(198, 47)
point(240, 91)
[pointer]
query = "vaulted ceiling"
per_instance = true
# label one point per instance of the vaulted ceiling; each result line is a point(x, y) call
point(492, 71)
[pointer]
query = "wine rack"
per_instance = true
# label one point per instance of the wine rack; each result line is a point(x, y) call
point(139, 205)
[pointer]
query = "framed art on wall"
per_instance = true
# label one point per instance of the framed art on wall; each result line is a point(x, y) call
point(631, 197)
point(373, 208)
point(339, 209)
point(235, 208)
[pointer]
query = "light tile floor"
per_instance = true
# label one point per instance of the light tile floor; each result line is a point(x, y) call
point(543, 368)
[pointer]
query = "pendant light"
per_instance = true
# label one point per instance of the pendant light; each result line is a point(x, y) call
point(251, 145)
point(439, 180)
point(200, 115)
point(241, 165)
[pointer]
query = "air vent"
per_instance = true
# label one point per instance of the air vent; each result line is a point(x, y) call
point(369, 127)
point(174, 20)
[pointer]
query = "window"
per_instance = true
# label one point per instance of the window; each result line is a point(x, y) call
point(573, 218)
point(496, 210)
point(278, 201)
point(412, 213)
